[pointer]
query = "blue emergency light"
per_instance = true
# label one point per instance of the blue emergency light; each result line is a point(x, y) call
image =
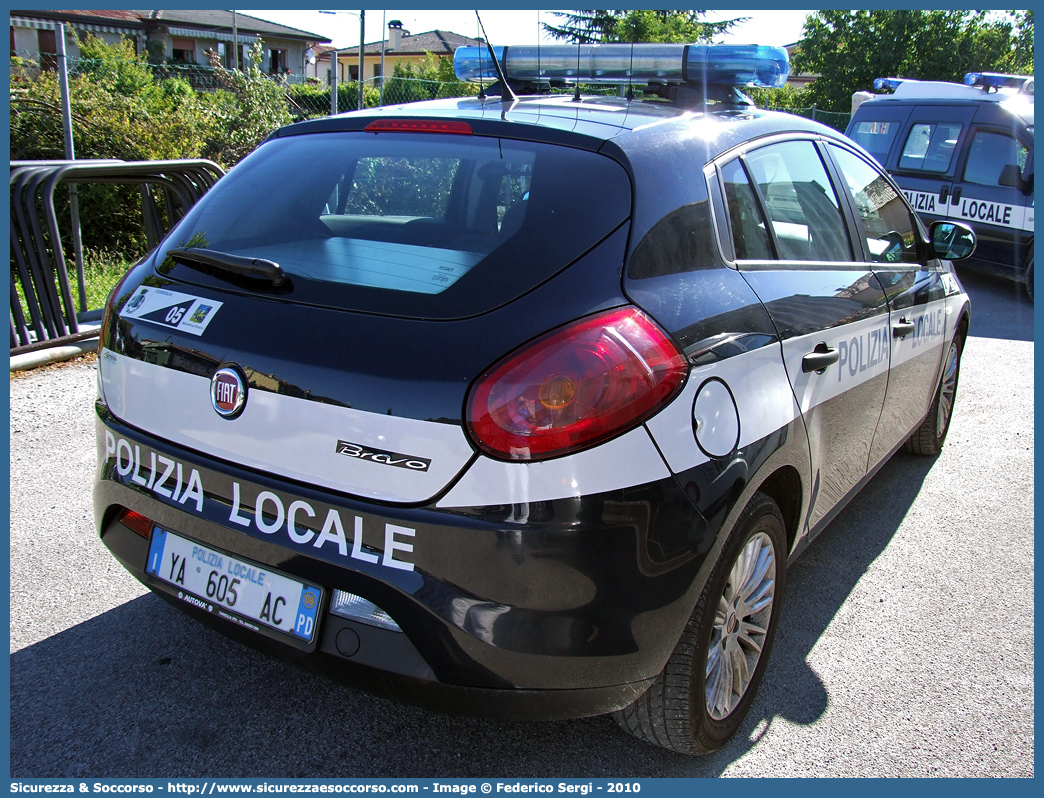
point(888, 84)
point(620, 64)
point(995, 80)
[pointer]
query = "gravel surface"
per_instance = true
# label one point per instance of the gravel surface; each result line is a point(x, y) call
point(905, 649)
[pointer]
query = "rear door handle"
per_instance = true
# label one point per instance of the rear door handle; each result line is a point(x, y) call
point(819, 358)
point(956, 196)
point(903, 328)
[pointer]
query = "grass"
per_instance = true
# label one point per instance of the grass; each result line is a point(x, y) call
point(102, 269)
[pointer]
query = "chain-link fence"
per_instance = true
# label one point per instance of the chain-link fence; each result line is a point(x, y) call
point(305, 97)
point(835, 119)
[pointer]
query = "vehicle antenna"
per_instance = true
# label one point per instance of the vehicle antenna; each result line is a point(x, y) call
point(630, 72)
point(576, 92)
point(505, 90)
point(482, 67)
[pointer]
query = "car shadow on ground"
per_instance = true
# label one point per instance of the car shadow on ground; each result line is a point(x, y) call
point(818, 584)
point(1000, 308)
point(142, 691)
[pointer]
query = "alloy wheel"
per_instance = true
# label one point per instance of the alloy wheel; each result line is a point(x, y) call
point(741, 624)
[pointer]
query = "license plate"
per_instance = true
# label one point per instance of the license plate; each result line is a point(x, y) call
point(235, 589)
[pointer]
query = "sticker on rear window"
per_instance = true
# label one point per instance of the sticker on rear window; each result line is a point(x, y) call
point(171, 309)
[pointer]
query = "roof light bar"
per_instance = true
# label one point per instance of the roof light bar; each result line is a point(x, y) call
point(889, 84)
point(710, 64)
point(995, 80)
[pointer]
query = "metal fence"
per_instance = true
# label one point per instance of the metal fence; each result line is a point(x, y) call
point(43, 309)
point(306, 97)
point(835, 119)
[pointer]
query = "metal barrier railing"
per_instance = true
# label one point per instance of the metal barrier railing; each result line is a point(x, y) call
point(39, 273)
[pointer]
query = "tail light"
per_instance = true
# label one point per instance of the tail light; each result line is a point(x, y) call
point(575, 387)
point(137, 522)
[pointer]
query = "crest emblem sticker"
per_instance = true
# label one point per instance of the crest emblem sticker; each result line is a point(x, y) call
point(228, 392)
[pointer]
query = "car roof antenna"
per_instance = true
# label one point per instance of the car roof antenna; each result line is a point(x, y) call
point(576, 92)
point(506, 93)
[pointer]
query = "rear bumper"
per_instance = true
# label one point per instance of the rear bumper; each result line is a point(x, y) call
point(567, 613)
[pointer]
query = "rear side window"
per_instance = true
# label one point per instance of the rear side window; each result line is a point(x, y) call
point(930, 147)
point(750, 236)
point(417, 224)
point(800, 201)
point(875, 137)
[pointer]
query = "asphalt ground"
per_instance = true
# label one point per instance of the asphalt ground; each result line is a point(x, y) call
point(905, 646)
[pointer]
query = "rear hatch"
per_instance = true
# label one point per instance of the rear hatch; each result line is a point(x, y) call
point(407, 264)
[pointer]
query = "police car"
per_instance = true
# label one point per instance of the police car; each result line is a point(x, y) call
point(961, 152)
point(519, 406)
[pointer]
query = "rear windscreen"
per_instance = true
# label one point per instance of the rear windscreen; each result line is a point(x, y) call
point(418, 224)
point(875, 137)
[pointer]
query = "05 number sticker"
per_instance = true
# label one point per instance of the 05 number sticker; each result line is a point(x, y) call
point(171, 309)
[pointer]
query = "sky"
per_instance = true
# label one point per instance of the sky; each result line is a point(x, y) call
point(511, 27)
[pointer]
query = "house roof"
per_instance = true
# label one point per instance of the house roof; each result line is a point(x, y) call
point(440, 42)
point(204, 20)
point(129, 19)
point(223, 19)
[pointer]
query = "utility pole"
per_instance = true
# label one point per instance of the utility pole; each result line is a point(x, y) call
point(235, 42)
point(70, 155)
point(333, 82)
point(362, 48)
point(384, 41)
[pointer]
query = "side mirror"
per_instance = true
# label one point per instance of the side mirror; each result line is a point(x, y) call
point(951, 240)
point(1011, 176)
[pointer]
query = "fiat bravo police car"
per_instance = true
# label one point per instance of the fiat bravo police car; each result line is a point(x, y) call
point(519, 405)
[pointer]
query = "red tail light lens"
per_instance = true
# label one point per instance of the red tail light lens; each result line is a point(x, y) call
point(575, 387)
point(137, 522)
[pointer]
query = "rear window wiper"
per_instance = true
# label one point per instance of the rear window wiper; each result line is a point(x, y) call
point(236, 264)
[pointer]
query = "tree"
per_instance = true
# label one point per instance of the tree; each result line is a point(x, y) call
point(250, 107)
point(848, 49)
point(595, 26)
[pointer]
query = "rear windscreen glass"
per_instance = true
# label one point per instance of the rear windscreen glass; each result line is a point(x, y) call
point(875, 137)
point(426, 225)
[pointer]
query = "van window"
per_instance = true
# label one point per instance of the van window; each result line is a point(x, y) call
point(875, 137)
point(989, 154)
point(930, 147)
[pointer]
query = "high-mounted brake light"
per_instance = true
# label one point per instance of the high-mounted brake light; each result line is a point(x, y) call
point(707, 64)
point(419, 126)
point(575, 387)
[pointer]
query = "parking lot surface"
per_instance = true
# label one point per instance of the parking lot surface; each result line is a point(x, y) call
point(905, 646)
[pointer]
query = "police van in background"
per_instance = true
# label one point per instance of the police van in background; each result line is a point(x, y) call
point(961, 152)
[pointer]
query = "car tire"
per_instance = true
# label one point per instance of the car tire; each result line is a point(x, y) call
point(930, 436)
point(678, 711)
